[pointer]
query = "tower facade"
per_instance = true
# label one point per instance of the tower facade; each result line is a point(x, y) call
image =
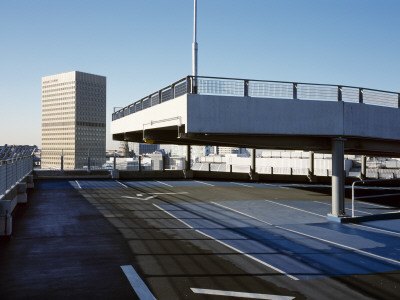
point(73, 120)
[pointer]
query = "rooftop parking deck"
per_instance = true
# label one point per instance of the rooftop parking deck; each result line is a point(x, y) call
point(195, 239)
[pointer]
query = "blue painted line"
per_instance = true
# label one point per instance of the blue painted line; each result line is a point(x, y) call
point(298, 255)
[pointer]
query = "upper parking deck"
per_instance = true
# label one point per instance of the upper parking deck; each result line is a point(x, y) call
point(264, 114)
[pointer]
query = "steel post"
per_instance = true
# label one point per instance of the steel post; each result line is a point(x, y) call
point(363, 167)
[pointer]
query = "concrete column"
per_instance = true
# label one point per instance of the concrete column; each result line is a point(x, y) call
point(188, 158)
point(253, 161)
point(311, 163)
point(363, 167)
point(115, 161)
point(338, 177)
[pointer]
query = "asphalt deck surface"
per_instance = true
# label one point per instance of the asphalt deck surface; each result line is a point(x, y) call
point(187, 239)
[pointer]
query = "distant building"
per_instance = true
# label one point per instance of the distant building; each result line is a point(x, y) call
point(142, 148)
point(73, 119)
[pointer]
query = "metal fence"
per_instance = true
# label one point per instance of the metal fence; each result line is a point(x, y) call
point(262, 89)
point(14, 170)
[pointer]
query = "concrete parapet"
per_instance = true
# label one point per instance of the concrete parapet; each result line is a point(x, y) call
point(21, 193)
point(6, 208)
point(29, 182)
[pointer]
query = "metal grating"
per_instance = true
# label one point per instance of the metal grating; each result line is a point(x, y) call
point(220, 87)
point(317, 92)
point(270, 90)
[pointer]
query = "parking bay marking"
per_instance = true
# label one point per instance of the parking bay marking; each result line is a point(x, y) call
point(140, 288)
point(153, 195)
point(240, 294)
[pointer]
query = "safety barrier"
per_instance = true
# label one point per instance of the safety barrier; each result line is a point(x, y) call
point(13, 171)
point(353, 198)
point(262, 89)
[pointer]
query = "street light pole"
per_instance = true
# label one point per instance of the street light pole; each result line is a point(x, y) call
point(194, 49)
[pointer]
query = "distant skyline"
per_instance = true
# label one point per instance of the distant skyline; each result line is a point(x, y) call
point(142, 46)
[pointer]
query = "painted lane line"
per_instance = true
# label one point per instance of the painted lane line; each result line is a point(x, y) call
point(377, 229)
point(229, 246)
point(306, 211)
point(124, 185)
point(242, 184)
point(140, 288)
point(359, 225)
point(164, 183)
point(313, 237)
point(277, 186)
point(179, 193)
point(360, 211)
point(376, 196)
point(144, 199)
point(78, 184)
point(374, 204)
point(240, 294)
point(209, 184)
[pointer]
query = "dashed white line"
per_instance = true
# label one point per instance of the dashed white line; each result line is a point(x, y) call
point(124, 185)
point(227, 245)
point(242, 184)
point(78, 184)
point(203, 182)
point(306, 211)
point(364, 212)
point(140, 288)
point(164, 183)
point(240, 294)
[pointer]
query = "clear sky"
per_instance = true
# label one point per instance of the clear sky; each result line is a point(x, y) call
point(144, 45)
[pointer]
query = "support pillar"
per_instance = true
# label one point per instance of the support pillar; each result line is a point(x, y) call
point(338, 178)
point(253, 175)
point(363, 167)
point(311, 167)
point(188, 158)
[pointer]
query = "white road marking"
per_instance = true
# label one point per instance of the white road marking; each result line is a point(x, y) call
point(164, 183)
point(377, 229)
point(353, 224)
point(140, 288)
point(364, 212)
point(227, 245)
point(306, 211)
point(144, 199)
point(240, 294)
point(124, 185)
point(204, 182)
point(374, 204)
point(179, 193)
point(311, 236)
point(277, 186)
point(376, 196)
point(242, 184)
point(78, 184)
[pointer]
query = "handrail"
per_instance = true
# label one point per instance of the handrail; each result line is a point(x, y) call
point(363, 181)
point(290, 92)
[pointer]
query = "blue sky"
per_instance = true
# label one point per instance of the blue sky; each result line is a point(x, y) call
point(142, 46)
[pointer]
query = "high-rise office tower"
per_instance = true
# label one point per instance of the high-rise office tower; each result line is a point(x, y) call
point(73, 120)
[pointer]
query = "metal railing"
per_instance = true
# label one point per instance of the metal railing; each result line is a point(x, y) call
point(262, 89)
point(353, 198)
point(13, 171)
